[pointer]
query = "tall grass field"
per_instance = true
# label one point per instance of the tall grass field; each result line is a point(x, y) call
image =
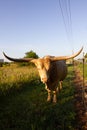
point(23, 104)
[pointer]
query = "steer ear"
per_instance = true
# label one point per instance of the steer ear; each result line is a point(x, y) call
point(67, 57)
point(18, 60)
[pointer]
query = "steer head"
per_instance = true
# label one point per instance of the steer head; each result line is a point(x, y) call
point(44, 64)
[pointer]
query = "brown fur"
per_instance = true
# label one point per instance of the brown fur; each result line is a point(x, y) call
point(57, 72)
point(51, 73)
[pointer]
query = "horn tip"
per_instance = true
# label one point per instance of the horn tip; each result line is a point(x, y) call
point(82, 48)
point(4, 54)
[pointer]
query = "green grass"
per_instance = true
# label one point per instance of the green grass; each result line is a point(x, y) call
point(27, 109)
point(80, 67)
point(13, 77)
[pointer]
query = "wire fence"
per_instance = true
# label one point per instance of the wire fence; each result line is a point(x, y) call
point(82, 82)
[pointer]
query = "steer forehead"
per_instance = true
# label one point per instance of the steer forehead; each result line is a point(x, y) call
point(40, 63)
point(43, 63)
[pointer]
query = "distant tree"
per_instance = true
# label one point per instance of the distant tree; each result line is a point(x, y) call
point(86, 55)
point(31, 54)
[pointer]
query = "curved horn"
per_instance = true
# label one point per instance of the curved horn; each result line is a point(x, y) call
point(18, 60)
point(67, 57)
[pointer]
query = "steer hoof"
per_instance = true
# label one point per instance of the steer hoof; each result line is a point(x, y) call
point(48, 99)
point(54, 101)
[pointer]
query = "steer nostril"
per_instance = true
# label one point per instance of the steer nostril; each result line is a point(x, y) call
point(44, 79)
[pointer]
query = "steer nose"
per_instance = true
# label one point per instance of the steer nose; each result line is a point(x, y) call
point(44, 80)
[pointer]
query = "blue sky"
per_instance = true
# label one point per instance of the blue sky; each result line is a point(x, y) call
point(39, 25)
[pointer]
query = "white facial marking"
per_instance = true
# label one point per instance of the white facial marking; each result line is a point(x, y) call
point(43, 67)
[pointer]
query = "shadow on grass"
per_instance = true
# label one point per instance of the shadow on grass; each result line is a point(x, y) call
point(27, 109)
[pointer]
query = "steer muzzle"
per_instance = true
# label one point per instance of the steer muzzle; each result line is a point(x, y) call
point(44, 80)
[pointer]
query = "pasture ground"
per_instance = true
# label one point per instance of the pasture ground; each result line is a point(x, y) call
point(80, 101)
point(27, 109)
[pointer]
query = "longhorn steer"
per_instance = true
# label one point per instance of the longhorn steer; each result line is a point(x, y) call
point(52, 70)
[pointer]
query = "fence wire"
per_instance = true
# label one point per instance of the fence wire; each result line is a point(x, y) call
point(83, 84)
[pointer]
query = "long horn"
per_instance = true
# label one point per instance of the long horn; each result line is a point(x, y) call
point(18, 60)
point(67, 57)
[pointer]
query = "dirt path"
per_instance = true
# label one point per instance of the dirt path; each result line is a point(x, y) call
point(80, 102)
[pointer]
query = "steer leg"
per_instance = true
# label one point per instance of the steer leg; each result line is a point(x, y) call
point(54, 96)
point(49, 94)
point(60, 85)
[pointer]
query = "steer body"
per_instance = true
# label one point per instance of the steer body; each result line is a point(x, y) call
point(51, 73)
point(52, 70)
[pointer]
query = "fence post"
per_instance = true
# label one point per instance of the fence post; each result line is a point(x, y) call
point(83, 82)
point(83, 69)
point(83, 87)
